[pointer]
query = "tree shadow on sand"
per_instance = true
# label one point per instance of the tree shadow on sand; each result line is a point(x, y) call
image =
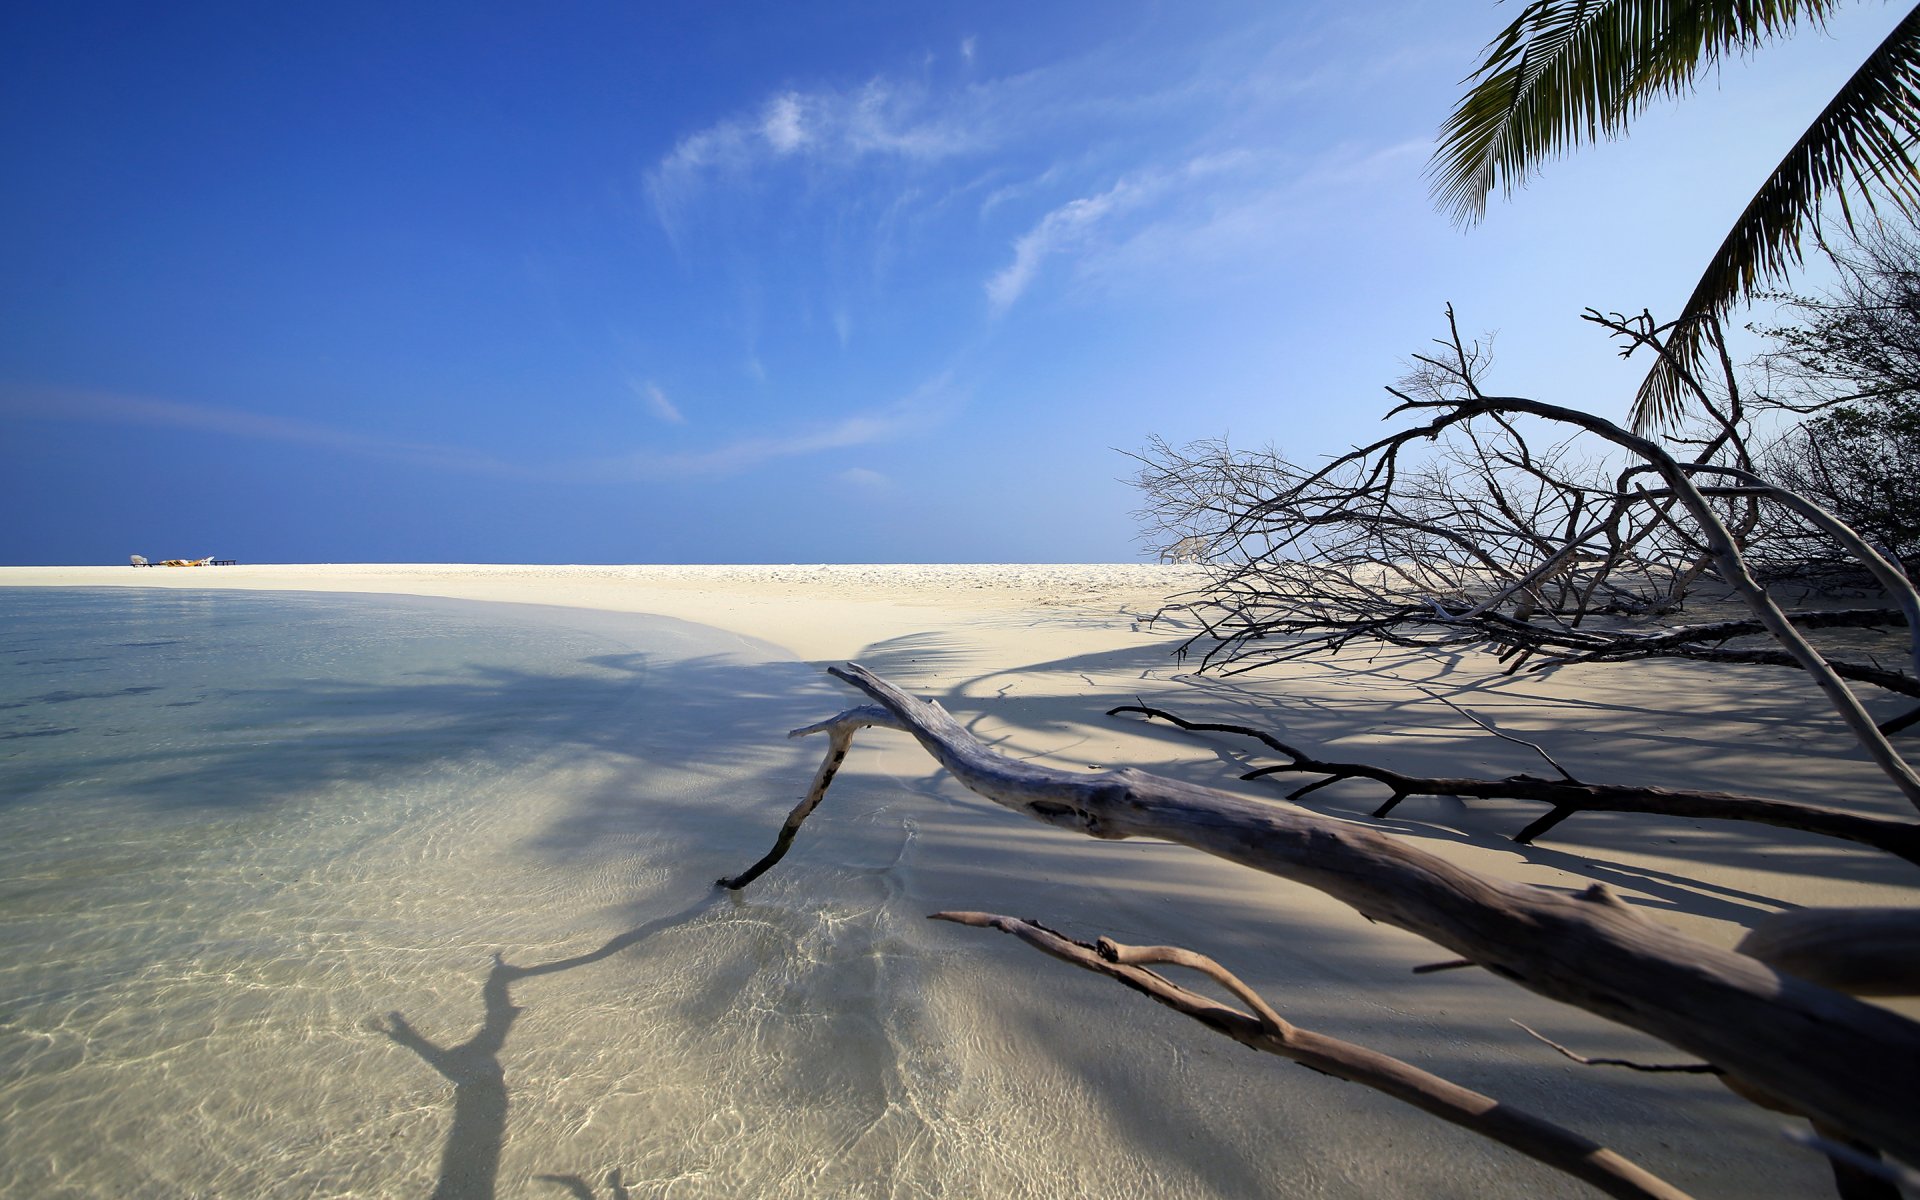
point(470, 1157)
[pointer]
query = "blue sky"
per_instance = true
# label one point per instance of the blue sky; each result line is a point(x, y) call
point(862, 282)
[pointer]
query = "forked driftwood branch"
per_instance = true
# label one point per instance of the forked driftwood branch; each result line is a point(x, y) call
point(1565, 796)
point(839, 731)
point(1851, 1065)
point(1265, 1030)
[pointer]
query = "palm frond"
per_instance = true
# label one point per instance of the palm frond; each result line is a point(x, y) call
point(1572, 71)
point(1861, 143)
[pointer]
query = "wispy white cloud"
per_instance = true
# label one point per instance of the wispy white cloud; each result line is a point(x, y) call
point(1078, 168)
point(657, 402)
point(1021, 189)
point(918, 413)
point(1352, 165)
point(866, 479)
point(1251, 213)
point(115, 408)
point(883, 119)
point(784, 125)
point(1057, 232)
point(1073, 226)
point(1217, 211)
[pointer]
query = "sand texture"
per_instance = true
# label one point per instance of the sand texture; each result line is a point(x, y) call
point(904, 1058)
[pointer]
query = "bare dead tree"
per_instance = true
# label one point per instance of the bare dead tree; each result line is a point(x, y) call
point(1502, 528)
point(1380, 544)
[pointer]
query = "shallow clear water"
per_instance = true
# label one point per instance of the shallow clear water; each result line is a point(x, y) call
point(260, 851)
point(351, 896)
point(237, 831)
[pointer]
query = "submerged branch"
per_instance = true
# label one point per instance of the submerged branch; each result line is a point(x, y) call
point(1265, 1030)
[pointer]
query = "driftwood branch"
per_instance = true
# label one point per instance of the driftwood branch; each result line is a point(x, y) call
point(1865, 1162)
point(1864, 952)
point(1849, 1064)
point(839, 731)
point(1898, 587)
point(1536, 747)
point(1265, 1030)
point(1456, 533)
point(1628, 1063)
point(1566, 797)
point(1861, 951)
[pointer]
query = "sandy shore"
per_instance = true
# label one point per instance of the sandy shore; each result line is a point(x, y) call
point(818, 612)
point(1031, 656)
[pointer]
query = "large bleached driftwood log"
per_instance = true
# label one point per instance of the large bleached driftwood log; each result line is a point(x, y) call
point(1849, 1065)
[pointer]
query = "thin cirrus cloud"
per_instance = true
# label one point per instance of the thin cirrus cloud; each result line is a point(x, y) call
point(114, 408)
point(922, 410)
point(925, 408)
point(1248, 219)
point(1089, 226)
point(1103, 184)
point(881, 119)
point(1060, 231)
point(657, 402)
point(906, 120)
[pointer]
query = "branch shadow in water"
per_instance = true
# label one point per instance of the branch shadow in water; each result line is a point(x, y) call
point(470, 1157)
point(582, 1190)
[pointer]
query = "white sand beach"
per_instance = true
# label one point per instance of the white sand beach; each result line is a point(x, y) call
point(982, 1068)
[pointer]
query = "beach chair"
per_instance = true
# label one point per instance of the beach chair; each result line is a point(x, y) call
point(1191, 549)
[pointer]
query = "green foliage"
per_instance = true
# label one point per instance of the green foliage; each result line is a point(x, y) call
point(1853, 360)
point(1862, 338)
point(1862, 461)
point(1570, 71)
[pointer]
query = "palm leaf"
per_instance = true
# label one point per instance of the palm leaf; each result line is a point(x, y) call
point(1571, 71)
point(1860, 143)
